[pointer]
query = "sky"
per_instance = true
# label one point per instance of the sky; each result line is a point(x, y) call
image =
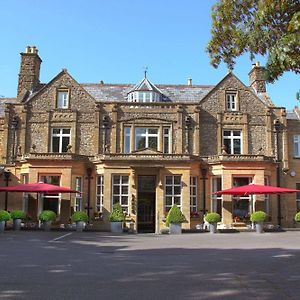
point(114, 40)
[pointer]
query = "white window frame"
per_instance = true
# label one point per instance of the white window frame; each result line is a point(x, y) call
point(147, 135)
point(296, 139)
point(193, 194)
point(173, 195)
point(231, 101)
point(232, 138)
point(99, 193)
point(63, 99)
point(61, 135)
point(78, 196)
point(120, 195)
point(144, 96)
point(166, 134)
point(216, 198)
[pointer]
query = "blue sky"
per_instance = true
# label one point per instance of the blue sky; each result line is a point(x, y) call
point(113, 41)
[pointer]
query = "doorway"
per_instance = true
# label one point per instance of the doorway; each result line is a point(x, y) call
point(146, 204)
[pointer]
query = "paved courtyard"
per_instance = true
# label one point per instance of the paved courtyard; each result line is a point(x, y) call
point(93, 265)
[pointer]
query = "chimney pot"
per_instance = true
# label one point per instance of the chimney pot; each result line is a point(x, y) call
point(190, 81)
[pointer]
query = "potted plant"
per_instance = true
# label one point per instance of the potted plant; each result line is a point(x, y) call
point(80, 218)
point(212, 219)
point(17, 216)
point(258, 218)
point(117, 218)
point(47, 217)
point(4, 216)
point(297, 217)
point(174, 220)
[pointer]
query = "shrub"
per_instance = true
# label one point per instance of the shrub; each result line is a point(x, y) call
point(258, 216)
point(212, 217)
point(175, 216)
point(297, 217)
point(18, 214)
point(79, 216)
point(117, 214)
point(47, 215)
point(4, 215)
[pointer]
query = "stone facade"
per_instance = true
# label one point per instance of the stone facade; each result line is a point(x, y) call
point(182, 147)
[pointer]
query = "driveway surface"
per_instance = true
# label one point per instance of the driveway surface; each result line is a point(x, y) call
point(93, 265)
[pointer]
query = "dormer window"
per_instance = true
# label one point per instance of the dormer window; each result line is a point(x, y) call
point(231, 101)
point(63, 99)
point(144, 96)
point(144, 92)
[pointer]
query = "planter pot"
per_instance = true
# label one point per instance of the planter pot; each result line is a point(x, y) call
point(2, 226)
point(17, 224)
point(116, 227)
point(213, 227)
point(259, 227)
point(175, 228)
point(80, 226)
point(47, 225)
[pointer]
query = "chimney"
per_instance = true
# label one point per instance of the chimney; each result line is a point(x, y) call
point(190, 81)
point(257, 77)
point(29, 76)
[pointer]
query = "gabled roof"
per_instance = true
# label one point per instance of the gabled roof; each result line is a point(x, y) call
point(173, 93)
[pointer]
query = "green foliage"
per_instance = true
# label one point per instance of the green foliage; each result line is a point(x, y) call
point(175, 216)
point(263, 27)
point(117, 214)
point(258, 216)
point(212, 217)
point(297, 217)
point(47, 215)
point(18, 214)
point(4, 215)
point(79, 216)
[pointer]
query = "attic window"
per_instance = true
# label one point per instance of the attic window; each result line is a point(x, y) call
point(62, 99)
point(144, 96)
point(231, 101)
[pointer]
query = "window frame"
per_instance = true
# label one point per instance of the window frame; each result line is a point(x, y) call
point(78, 196)
point(232, 138)
point(296, 143)
point(147, 135)
point(173, 185)
point(120, 195)
point(99, 193)
point(60, 91)
point(193, 196)
point(60, 135)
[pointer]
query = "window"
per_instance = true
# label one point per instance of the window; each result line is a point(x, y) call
point(297, 145)
point(25, 180)
point(78, 196)
point(100, 193)
point(216, 200)
point(146, 138)
point(173, 191)
point(232, 140)
point(144, 96)
point(51, 201)
point(121, 191)
point(193, 194)
point(62, 99)
point(267, 198)
point(166, 140)
point(127, 139)
point(298, 197)
point(231, 104)
point(60, 139)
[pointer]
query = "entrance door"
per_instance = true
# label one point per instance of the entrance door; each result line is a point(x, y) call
point(146, 204)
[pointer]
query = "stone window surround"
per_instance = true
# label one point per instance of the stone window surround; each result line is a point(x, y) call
point(161, 136)
point(236, 98)
point(62, 89)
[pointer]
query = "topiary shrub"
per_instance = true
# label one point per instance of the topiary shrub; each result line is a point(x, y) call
point(117, 214)
point(4, 215)
point(175, 216)
point(18, 214)
point(79, 216)
point(212, 217)
point(47, 215)
point(258, 216)
point(297, 217)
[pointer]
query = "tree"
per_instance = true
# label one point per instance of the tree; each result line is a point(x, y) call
point(266, 27)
